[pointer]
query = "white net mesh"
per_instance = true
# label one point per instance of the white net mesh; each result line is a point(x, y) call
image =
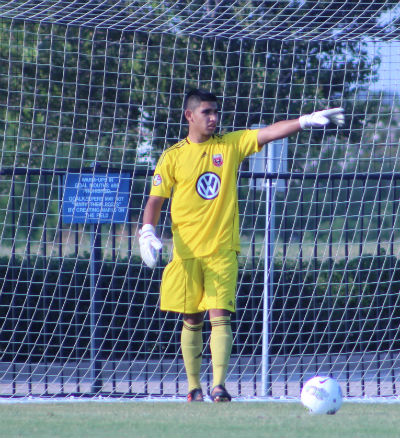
point(91, 92)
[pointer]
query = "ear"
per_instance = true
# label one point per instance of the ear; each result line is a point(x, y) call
point(188, 115)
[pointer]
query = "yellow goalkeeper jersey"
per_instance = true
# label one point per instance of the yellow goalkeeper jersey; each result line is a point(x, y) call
point(201, 178)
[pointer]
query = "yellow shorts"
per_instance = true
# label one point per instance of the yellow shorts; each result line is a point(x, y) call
point(200, 284)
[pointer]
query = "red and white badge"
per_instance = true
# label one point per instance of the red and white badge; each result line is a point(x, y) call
point(218, 160)
point(157, 180)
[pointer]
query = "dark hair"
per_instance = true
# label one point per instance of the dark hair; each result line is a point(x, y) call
point(195, 96)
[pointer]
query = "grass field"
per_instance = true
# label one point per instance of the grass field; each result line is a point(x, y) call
point(159, 420)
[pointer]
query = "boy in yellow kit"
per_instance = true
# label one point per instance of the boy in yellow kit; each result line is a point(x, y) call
point(200, 173)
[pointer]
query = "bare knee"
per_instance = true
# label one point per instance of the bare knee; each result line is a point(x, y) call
point(193, 318)
point(215, 313)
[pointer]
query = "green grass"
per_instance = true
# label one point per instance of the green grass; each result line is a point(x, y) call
point(159, 420)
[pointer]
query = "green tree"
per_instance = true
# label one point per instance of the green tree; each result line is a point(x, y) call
point(76, 94)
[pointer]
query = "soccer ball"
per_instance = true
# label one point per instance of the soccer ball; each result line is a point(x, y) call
point(322, 395)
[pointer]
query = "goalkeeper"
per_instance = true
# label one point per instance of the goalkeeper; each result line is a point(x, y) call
point(199, 172)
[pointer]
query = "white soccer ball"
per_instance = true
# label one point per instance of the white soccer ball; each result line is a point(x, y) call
point(322, 395)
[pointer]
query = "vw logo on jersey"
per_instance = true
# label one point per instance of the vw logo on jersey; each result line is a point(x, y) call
point(208, 185)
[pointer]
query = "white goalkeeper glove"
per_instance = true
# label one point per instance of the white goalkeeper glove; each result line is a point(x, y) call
point(150, 245)
point(320, 119)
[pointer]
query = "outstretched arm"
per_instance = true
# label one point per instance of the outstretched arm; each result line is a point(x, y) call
point(278, 130)
point(286, 128)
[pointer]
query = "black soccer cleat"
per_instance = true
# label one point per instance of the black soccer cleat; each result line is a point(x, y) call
point(195, 395)
point(220, 395)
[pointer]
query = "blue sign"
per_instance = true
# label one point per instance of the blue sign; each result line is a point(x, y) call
point(95, 198)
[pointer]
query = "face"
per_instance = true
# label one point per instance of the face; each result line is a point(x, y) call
point(203, 119)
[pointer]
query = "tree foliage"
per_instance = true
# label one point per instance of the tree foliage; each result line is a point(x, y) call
point(74, 95)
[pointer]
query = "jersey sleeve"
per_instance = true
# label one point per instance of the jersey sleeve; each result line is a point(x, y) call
point(245, 142)
point(164, 177)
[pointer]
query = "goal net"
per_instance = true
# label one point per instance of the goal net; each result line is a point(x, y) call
point(91, 94)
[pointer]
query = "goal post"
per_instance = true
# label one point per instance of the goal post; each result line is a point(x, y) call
point(92, 93)
point(270, 161)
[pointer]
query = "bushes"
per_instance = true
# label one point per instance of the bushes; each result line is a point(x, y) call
point(348, 305)
point(330, 307)
point(45, 307)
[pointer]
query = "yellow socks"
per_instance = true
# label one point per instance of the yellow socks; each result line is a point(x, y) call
point(221, 347)
point(220, 344)
point(192, 348)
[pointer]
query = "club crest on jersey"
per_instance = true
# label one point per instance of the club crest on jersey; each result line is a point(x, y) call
point(218, 160)
point(208, 185)
point(157, 180)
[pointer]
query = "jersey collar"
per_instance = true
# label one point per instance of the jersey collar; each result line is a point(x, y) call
point(200, 144)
